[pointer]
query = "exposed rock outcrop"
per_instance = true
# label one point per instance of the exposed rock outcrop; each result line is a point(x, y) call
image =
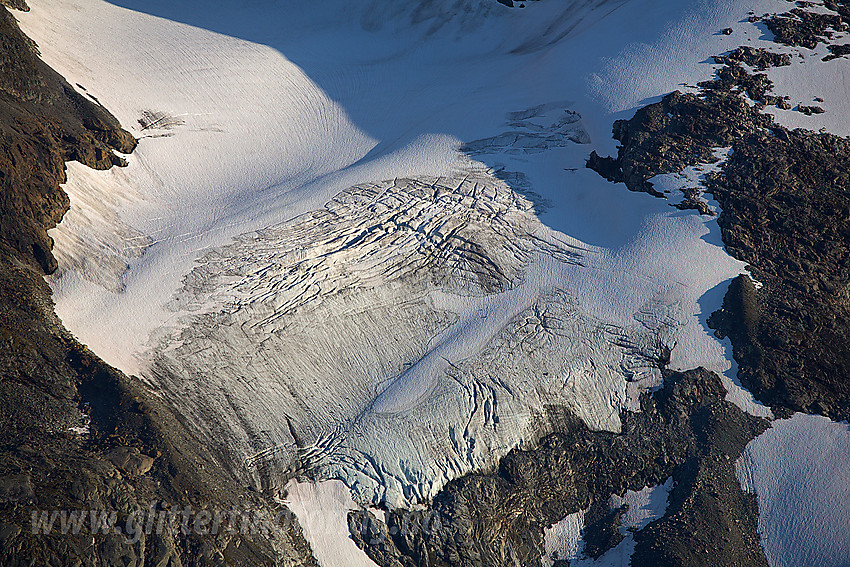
point(795, 352)
point(44, 122)
point(786, 212)
point(806, 28)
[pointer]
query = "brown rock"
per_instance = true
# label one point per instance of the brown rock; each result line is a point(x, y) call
point(130, 460)
point(8, 532)
point(16, 488)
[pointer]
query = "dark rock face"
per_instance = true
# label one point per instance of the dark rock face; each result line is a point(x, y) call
point(680, 130)
point(786, 212)
point(837, 51)
point(601, 531)
point(137, 453)
point(709, 519)
point(16, 488)
point(686, 430)
point(607, 167)
point(16, 5)
point(807, 29)
point(809, 110)
point(758, 58)
point(800, 27)
point(43, 123)
point(514, 3)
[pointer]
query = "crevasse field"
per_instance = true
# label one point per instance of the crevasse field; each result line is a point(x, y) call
point(361, 235)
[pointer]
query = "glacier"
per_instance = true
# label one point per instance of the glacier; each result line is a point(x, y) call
point(360, 244)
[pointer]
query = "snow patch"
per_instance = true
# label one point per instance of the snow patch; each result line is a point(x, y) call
point(564, 540)
point(690, 182)
point(798, 471)
point(322, 511)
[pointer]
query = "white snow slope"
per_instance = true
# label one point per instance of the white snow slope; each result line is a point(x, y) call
point(361, 237)
point(798, 471)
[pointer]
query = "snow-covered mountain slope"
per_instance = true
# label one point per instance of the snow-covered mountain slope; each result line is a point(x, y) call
point(361, 239)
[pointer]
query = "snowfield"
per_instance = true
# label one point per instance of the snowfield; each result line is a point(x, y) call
point(361, 239)
point(798, 471)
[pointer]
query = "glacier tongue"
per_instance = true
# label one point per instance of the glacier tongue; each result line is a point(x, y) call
point(409, 332)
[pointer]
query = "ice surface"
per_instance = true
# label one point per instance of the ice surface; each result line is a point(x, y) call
point(798, 471)
point(431, 320)
point(362, 239)
point(269, 117)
